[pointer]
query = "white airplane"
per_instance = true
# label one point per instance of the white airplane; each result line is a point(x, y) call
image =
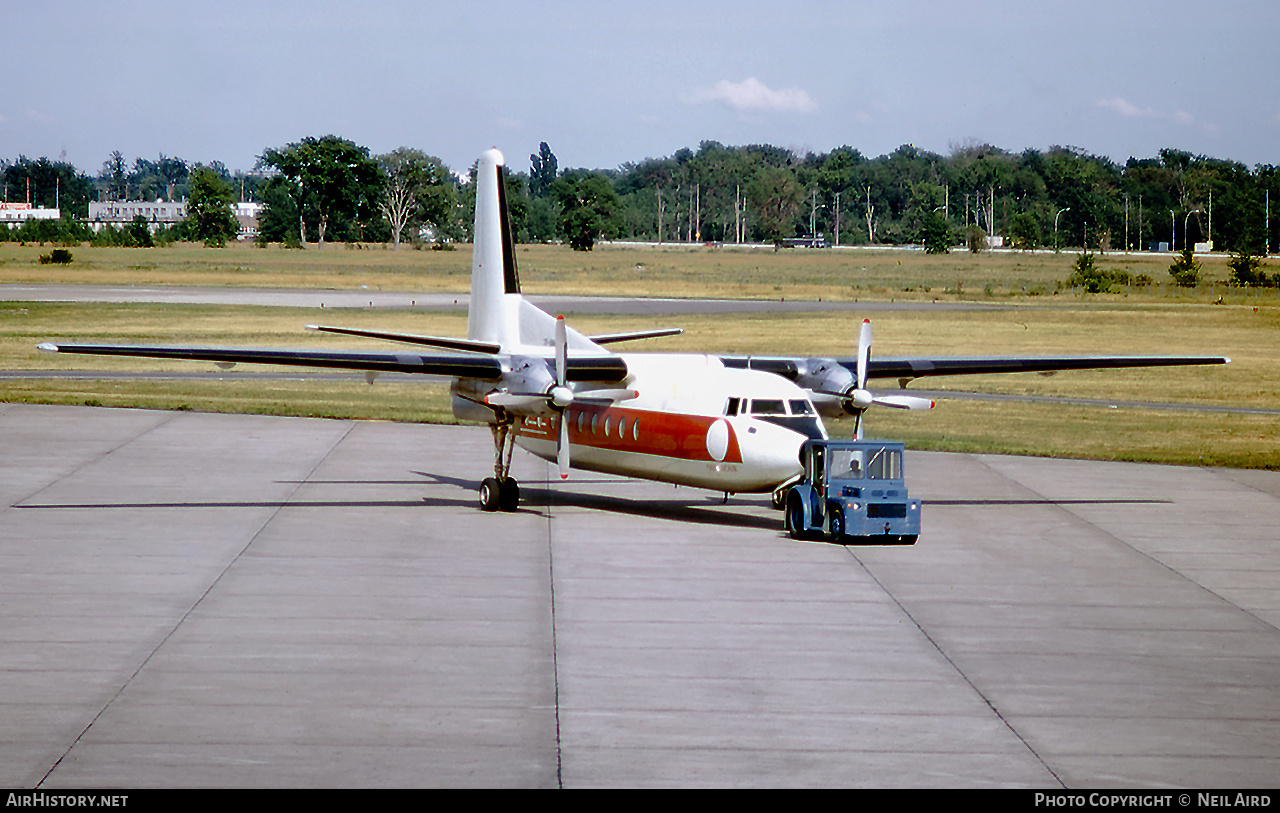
point(728, 424)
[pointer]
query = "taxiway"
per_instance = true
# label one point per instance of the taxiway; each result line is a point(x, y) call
point(218, 600)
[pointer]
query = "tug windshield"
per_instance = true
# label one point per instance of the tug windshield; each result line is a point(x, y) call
point(870, 464)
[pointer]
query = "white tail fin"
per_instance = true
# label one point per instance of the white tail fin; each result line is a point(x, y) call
point(493, 260)
point(498, 313)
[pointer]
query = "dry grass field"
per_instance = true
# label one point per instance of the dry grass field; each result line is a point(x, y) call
point(1029, 319)
point(670, 270)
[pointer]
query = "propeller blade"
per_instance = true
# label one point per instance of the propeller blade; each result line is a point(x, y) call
point(562, 448)
point(562, 351)
point(604, 396)
point(517, 400)
point(903, 402)
point(864, 353)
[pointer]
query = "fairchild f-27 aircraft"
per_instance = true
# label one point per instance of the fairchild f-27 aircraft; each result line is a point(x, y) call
point(728, 424)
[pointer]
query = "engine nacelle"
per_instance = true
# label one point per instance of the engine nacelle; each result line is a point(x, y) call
point(526, 387)
point(829, 384)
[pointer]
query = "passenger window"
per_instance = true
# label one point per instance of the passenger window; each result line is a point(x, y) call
point(595, 419)
point(606, 427)
point(581, 415)
point(622, 427)
point(732, 408)
point(635, 429)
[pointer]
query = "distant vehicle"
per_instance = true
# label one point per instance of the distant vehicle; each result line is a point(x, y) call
point(853, 491)
point(806, 242)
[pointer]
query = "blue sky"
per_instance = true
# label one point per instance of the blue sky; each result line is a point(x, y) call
point(605, 83)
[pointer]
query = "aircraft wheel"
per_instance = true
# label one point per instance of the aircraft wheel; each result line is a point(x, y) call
point(508, 495)
point(490, 494)
point(837, 525)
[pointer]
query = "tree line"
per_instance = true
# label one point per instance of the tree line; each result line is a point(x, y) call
point(329, 189)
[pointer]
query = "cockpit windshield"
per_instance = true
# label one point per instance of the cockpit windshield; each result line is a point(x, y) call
point(768, 406)
point(800, 406)
point(796, 414)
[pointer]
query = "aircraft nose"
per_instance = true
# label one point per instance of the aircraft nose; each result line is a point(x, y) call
point(772, 450)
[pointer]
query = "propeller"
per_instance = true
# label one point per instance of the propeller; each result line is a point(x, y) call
point(862, 399)
point(562, 396)
point(557, 396)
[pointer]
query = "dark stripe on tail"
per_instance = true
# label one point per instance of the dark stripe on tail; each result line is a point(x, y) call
point(510, 277)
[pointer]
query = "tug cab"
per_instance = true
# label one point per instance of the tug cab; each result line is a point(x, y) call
point(852, 492)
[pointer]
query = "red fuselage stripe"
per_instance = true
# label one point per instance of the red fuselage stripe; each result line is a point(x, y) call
point(668, 434)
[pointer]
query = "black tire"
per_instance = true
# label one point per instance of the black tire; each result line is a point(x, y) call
point(508, 495)
point(795, 517)
point(837, 524)
point(490, 494)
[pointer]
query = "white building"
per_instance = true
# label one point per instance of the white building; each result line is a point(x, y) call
point(247, 213)
point(120, 213)
point(15, 214)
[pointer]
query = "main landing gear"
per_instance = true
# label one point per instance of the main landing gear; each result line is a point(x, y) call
point(499, 495)
point(500, 492)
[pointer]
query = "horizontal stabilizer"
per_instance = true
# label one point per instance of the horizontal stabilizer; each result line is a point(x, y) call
point(445, 342)
point(610, 338)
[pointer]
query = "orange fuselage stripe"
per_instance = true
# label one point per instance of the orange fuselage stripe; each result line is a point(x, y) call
point(668, 434)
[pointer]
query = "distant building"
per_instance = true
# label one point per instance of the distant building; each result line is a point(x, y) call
point(15, 214)
point(247, 213)
point(120, 213)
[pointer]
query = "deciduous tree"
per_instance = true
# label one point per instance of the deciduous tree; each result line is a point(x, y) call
point(417, 190)
point(331, 176)
point(209, 216)
point(587, 207)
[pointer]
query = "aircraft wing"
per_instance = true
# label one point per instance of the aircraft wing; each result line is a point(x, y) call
point(922, 367)
point(912, 368)
point(483, 367)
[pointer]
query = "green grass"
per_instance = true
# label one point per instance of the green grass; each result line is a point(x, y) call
point(1244, 327)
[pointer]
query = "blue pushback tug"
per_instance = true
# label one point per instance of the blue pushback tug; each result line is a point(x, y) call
point(852, 492)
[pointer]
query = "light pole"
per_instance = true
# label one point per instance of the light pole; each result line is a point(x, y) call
point(1173, 231)
point(1056, 245)
point(1185, 230)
